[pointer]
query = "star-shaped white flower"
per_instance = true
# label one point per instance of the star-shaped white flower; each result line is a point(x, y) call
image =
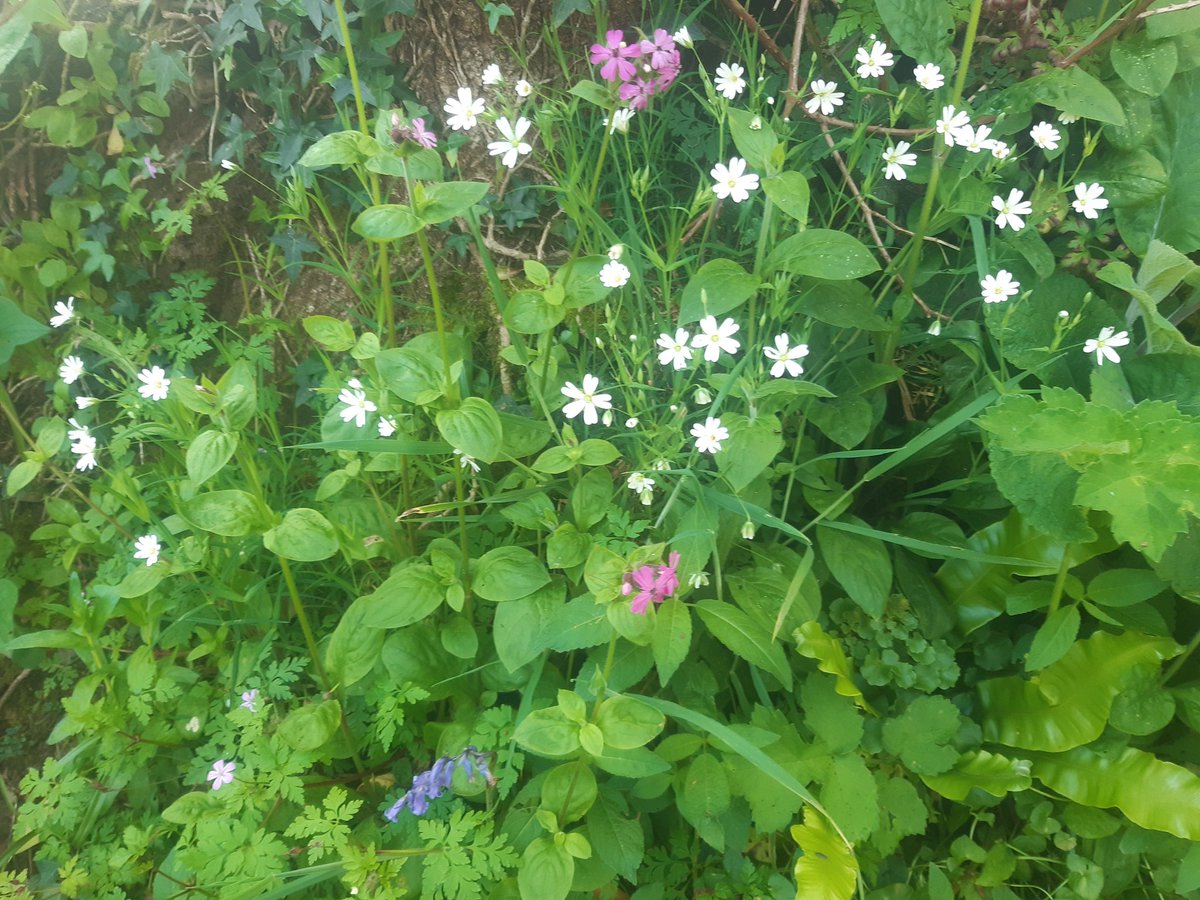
point(71, 369)
point(714, 338)
point(709, 435)
point(77, 432)
point(513, 147)
point(733, 181)
point(1045, 135)
point(85, 449)
point(1103, 344)
point(147, 547)
point(929, 76)
point(825, 97)
point(155, 385)
point(1000, 150)
point(975, 140)
point(1068, 118)
point(523, 88)
point(950, 122)
point(998, 288)
point(65, 312)
point(387, 426)
point(619, 121)
point(491, 75)
point(614, 274)
point(357, 404)
point(467, 461)
point(786, 358)
point(896, 159)
point(585, 400)
point(1089, 199)
point(639, 482)
point(1011, 210)
point(873, 62)
point(464, 110)
point(675, 352)
point(221, 774)
point(730, 80)
point(85, 402)
point(683, 37)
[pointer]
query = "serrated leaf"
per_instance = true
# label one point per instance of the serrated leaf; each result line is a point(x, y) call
point(704, 797)
point(922, 736)
point(672, 638)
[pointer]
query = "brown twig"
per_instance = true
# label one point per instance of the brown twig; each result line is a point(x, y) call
point(761, 33)
point(869, 217)
point(793, 91)
point(698, 223)
point(898, 228)
point(1112, 31)
point(1175, 7)
point(872, 129)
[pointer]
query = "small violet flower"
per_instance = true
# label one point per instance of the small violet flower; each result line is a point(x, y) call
point(250, 700)
point(432, 783)
point(221, 774)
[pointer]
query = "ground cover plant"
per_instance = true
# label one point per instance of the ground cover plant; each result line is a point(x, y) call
point(750, 452)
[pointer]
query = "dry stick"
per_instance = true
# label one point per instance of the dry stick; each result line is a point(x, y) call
point(931, 240)
point(793, 91)
point(1176, 7)
point(763, 38)
point(1105, 36)
point(869, 218)
point(698, 223)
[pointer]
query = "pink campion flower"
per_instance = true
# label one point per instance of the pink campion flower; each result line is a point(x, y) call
point(653, 583)
point(614, 55)
point(638, 93)
point(659, 49)
point(422, 135)
point(667, 582)
point(668, 71)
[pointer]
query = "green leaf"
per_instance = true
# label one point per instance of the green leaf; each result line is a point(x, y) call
point(755, 145)
point(745, 638)
point(842, 304)
point(527, 312)
point(507, 573)
point(627, 723)
point(703, 798)
point(192, 807)
point(21, 475)
point(618, 841)
point(593, 93)
point(922, 736)
point(445, 200)
point(387, 222)
point(1069, 90)
point(74, 42)
point(1053, 639)
point(851, 796)
point(1150, 792)
point(16, 329)
point(1124, 587)
point(549, 733)
point(311, 726)
point(752, 446)
point(813, 642)
point(831, 716)
point(923, 29)
point(411, 374)
point(332, 334)
point(569, 791)
point(1143, 64)
point(474, 428)
point(404, 598)
point(521, 628)
point(227, 513)
point(342, 148)
point(822, 253)
point(1143, 707)
point(826, 869)
point(353, 648)
point(1068, 705)
point(861, 565)
point(592, 498)
point(672, 638)
point(719, 286)
point(1188, 879)
point(789, 191)
point(304, 535)
point(997, 775)
point(208, 454)
point(567, 547)
point(546, 871)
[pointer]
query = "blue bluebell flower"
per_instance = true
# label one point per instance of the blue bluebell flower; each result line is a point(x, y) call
point(430, 784)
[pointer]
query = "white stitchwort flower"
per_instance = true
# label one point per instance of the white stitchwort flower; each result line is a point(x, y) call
point(676, 351)
point(1103, 344)
point(709, 435)
point(1011, 210)
point(71, 369)
point(387, 426)
point(155, 385)
point(998, 288)
point(585, 400)
point(733, 181)
point(85, 402)
point(950, 122)
point(464, 110)
point(193, 725)
point(786, 358)
point(1068, 118)
point(77, 432)
point(702, 396)
point(1045, 135)
point(65, 312)
point(1089, 199)
point(715, 338)
point(616, 251)
point(683, 37)
point(491, 75)
point(639, 482)
point(929, 76)
point(221, 774)
point(250, 700)
point(730, 81)
point(975, 140)
point(228, 165)
point(513, 146)
point(631, 422)
point(698, 580)
point(523, 88)
point(614, 274)
point(467, 461)
point(825, 97)
point(896, 159)
point(873, 62)
point(620, 119)
point(357, 404)
point(147, 547)
point(85, 449)
point(1000, 150)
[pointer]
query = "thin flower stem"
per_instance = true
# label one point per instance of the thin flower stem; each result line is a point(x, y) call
point(351, 64)
point(1060, 582)
point(1178, 662)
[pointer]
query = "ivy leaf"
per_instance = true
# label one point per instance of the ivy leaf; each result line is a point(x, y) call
point(922, 736)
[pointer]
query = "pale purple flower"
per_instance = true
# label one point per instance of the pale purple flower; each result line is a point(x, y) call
point(250, 700)
point(432, 783)
point(221, 774)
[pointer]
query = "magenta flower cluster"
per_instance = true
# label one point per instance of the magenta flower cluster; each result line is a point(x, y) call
point(415, 131)
point(644, 67)
point(655, 583)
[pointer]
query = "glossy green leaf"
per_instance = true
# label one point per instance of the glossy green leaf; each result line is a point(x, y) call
point(387, 222)
point(569, 791)
point(548, 732)
point(332, 334)
point(1124, 587)
point(789, 191)
point(822, 253)
point(1053, 639)
point(703, 797)
point(208, 453)
point(1143, 64)
point(619, 841)
point(342, 148)
point(745, 638)
point(309, 727)
point(813, 642)
point(474, 428)
point(997, 775)
point(507, 573)
point(672, 637)
point(719, 286)
point(227, 513)
point(546, 871)
point(353, 648)
point(405, 597)
point(527, 312)
point(752, 446)
point(923, 29)
point(755, 140)
point(861, 565)
point(411, 374)
point(16, 328)
point(444, 200)
point(628, 723)
point(826, 869)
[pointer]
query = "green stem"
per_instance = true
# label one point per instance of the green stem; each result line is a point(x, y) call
point(351, 64)
point(1177, 664)
point(435, 294)
point(1060, 581)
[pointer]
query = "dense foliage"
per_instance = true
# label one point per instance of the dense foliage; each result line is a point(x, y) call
point(726, 468)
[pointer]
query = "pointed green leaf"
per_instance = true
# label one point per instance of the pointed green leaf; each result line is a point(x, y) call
point(745, 637)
